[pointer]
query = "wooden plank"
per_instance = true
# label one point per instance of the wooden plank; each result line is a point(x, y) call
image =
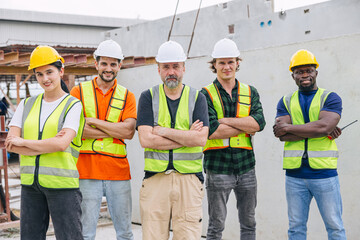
point(24, 60)
point(69, 60)
point(139, 60)
point(13, 70)
point(14, 224)
point(90, 60)
point(25, 80)
point(79, 59)
point(150, 60)
point(10, 57)
point(128, 61)
point(1, 55)
point(17, 79)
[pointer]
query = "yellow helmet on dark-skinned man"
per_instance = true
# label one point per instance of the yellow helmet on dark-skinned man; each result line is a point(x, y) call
point(44, 55)
point(302, 57)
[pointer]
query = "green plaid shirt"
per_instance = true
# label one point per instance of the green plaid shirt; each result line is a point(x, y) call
point(231, 160)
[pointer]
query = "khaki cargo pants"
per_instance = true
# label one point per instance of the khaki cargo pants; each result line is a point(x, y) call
point(171, 198)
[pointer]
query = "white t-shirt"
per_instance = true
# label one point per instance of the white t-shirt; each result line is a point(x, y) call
point(72, 119)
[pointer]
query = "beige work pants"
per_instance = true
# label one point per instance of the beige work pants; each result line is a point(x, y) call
point(171, 197)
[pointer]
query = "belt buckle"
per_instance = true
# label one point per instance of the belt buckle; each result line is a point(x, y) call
point(167, 172)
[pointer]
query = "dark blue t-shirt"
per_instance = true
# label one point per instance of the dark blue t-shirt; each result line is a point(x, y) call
point(333, 103)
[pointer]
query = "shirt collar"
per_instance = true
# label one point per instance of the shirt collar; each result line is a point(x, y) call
point(217, 83)
point(97, 86)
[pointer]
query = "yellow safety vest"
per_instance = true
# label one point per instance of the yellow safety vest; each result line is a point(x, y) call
point(112, 147)
point(185, 159)
point(54, 170)
point(322, 152)
point(243, 140)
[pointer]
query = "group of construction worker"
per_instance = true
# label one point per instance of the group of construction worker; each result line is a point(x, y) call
point(73, 150)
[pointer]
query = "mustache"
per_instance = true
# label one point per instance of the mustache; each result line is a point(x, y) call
point(109, 72)
point(171, 76)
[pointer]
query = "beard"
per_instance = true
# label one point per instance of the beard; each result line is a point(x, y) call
point(307, 89)
point(172, 84)
point(105, 79)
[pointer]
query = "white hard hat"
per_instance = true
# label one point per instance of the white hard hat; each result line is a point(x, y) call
point(225, 48)
point(170, 52)
point(109, 48)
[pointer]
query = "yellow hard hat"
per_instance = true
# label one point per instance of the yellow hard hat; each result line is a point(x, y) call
point(44, 55)
point(302, 57)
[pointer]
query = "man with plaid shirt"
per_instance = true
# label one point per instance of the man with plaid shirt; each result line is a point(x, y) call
point(235, 113)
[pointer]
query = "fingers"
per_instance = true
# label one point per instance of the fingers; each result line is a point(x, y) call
point(60, 134)
point(197, 125)
point(335, 133)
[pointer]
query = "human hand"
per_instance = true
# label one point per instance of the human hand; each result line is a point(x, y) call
point(158, 130)
point(91, 121)
point(14, 141)
point(335, 133)
point(222, 120)
point(197, 125)
point(61, 133)
point(280, 127)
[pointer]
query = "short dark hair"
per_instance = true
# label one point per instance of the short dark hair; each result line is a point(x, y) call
point(213, 61)
point(98, 59)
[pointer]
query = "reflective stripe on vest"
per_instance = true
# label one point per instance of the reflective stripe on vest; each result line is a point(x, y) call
point(322, 152)
point(185, 159)
point(243, 107)
point(105, 146)
point(56, 170)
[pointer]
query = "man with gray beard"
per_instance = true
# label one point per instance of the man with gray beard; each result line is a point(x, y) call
point(173, 128)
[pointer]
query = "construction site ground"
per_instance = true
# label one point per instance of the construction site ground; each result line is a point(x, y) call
point(105, 229)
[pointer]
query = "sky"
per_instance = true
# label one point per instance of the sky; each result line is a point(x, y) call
point(143, 9)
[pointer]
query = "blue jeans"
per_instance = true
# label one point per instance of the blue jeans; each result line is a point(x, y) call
point(218, 188)
point(326, 191)
point(118, 197)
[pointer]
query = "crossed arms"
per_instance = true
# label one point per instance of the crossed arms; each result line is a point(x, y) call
point(163, 138)
point(96, 128)
point(325, 126)
point(230, 127)
point(14, 143)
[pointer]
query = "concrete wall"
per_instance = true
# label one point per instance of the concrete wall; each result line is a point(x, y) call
point(267, 70)
point(256, 26)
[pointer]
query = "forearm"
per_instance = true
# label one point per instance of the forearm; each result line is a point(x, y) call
point(187, 138)
point(49, 145)
point(93, 133)
point(158, 142)
point(290, 138)
point(24, 151)
point(225, 131)
point(121, 130)
point(310, 130)
point(245, 124)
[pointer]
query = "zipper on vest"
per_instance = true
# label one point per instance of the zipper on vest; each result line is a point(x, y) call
point(171, 155)
point(37, 163)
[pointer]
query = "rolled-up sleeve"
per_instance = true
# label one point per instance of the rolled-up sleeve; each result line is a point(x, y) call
point(256, 110)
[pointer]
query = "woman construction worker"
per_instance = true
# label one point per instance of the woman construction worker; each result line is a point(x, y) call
point(46, 131)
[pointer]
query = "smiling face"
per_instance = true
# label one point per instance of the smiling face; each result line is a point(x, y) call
point(171, 73)
point(305, 77)
point(226, 68)
point(49, 77)
point(107, 68)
